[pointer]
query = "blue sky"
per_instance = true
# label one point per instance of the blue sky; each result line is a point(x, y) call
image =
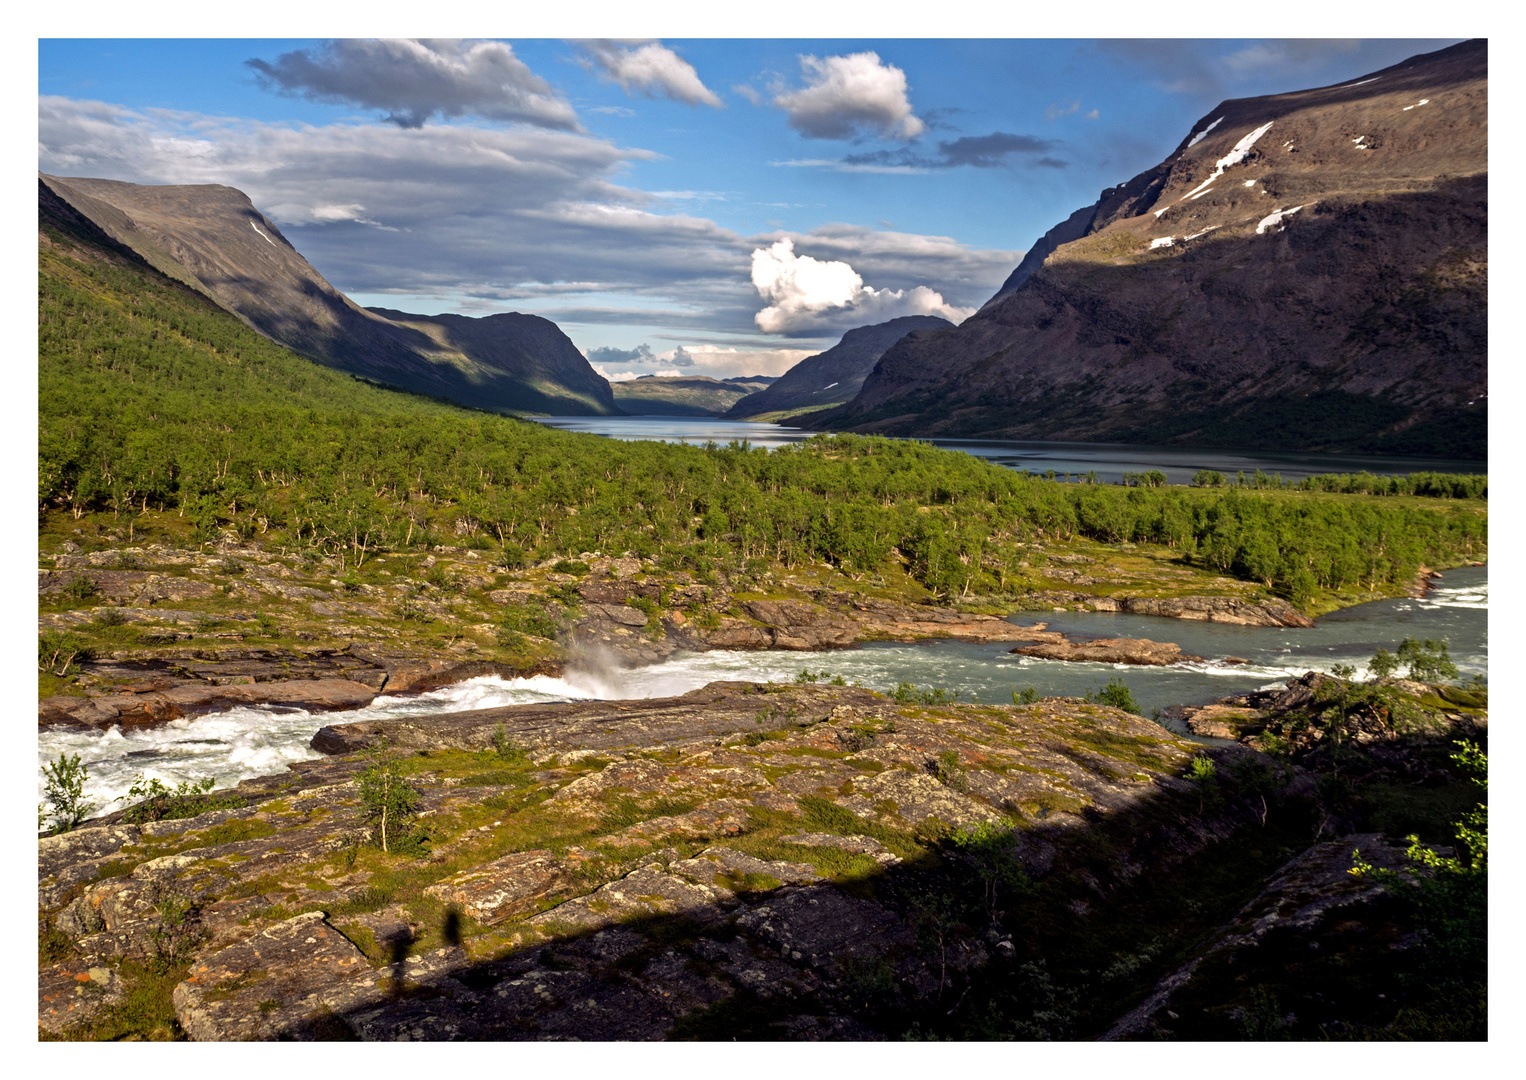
point(743, 201)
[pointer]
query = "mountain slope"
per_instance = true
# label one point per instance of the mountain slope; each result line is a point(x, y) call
point(1306, 270)
point(832, 377)
point(212, 239)
point(684, 395)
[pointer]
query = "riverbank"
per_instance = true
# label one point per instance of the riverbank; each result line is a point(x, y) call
point(144, 635)
point(748, 859)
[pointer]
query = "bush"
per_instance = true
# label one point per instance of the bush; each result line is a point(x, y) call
point(907, 694)
point(64, 788)
point(506, 749)
point(570, 566)
point(386, 796)
point(58, 649)
point(1027, 696)
point(186, 799)
point(1428, 660)
point(1117, 694)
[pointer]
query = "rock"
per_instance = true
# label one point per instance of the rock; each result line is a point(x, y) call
point(69, 995)
point(505, 887)
point(157, 707)
point(1110, 651)
point(647, 893)
point(1219, 721)
point(1311, 892)
point(272, 986)
point(855, 845)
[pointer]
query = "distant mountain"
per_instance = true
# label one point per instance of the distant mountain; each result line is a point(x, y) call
point(684, 395)
point(1305, 271)
point(832, 377)
point(213, 239)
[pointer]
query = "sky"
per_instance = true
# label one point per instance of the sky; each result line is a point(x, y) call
point(714, 207)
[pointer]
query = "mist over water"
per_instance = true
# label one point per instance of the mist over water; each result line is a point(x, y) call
point(247, 742)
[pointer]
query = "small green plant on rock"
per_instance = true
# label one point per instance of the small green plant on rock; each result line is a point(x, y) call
point(154, 801)
point(64, 787)
point(1117, 694)
point(386, 795)
point(1027, 696)
point(505, 748)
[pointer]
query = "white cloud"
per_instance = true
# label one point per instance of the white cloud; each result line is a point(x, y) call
point(808, 294)
point(651, 69)
point(727, 362)
point(845, 96)
point(492, 219)
point(412, 80)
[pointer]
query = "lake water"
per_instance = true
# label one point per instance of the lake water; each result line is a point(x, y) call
point(1110, 460)
point(248, 742)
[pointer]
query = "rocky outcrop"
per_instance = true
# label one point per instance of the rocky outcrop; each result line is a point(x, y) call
point(733, 847)
point(1221, 609)
point(1305, 908)
point(1110, 651)
point(1305, 270)
point(154, 707)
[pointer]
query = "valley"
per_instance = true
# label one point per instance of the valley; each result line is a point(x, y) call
point(371, 708)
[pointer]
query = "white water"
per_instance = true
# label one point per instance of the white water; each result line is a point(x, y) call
point(248, 742)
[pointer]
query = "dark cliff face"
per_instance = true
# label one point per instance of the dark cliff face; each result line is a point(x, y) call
point(834, 376)
point(1306, 270)
point(213, 239)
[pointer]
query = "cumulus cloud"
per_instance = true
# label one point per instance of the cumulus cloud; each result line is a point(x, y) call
point(808, 295)
point(641, 354)
point(411, 80)
point(650, 69)
point(681, 358)
point(492, 219)
point(846, 96)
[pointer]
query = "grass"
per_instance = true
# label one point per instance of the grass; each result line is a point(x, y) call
point(144, 1014)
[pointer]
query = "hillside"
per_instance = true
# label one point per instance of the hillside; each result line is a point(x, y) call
point(212, 239)
point(832, 377)
point(1305, 271)
point(684, 395)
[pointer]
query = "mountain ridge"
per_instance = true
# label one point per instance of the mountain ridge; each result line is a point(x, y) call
point(195, 234)
point(1304, 271)
point(834, 375)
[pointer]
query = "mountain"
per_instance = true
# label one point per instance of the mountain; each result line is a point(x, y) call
point(684, 395)
point(832, 377)
point(1304, 271)
point(212, 239)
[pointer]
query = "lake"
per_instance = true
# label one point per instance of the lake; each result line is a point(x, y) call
point(1110, 460)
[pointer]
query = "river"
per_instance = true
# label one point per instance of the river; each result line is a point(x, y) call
point(1109, 460)
point(248, 742)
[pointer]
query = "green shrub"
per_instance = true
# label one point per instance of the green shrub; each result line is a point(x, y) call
point(386, 796)
point(153, 801)
point(1428, 660)
point(64, 787)
point(1028, 696)
point(57, 651)
point(1117, 694)
point(570, 566)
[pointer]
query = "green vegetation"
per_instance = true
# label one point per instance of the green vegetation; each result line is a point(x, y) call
point(151, 397)
point(386, 795)
point(64, 788)
point(153, 801)
point(1117, 694)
